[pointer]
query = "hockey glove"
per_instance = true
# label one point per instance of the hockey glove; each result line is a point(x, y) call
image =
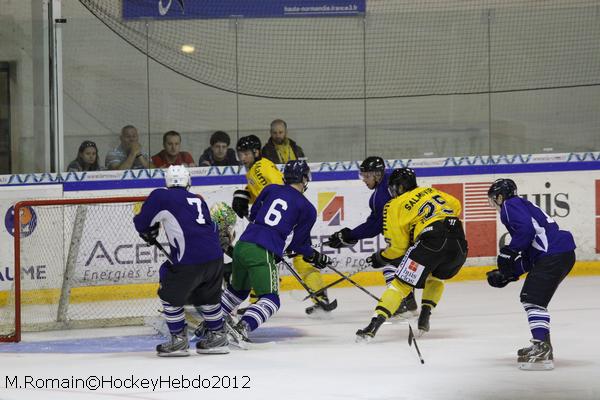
point(151, 234)
point(241, 199)
point(318, 260)
point(496, 279)
point(341, 239)
point(377, 260)
point(509, 262)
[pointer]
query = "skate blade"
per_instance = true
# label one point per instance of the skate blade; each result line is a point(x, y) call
point(214, 350)
point(405, 315)
point(178, 353)
point(363, 339)
point(537, 366)
point(421, 332)
point(320, 314)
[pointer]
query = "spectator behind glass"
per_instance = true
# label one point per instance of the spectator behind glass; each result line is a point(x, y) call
point(280, 149)
point(218, 154)
point(129, 154)
point(170, 155)
point(87, 158)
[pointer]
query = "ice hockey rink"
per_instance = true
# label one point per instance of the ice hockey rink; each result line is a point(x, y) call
point(470, 353)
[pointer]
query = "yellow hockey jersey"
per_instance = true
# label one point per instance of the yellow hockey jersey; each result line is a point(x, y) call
point(262, 173)
point(405, 216)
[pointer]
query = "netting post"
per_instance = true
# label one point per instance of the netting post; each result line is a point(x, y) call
point(65, 291)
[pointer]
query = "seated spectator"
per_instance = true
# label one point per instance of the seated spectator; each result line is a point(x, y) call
point(129, 154)
point(280, 149)
point(87, 158)
point(170, 155)
point(219, 153)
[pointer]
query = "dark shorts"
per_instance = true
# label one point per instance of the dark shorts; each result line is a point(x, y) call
point(192, 284)
point(440, 251)
point(545, 276)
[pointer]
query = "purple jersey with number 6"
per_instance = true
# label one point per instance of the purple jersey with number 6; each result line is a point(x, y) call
point(278, 211)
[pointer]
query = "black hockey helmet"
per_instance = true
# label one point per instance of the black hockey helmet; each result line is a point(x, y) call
point(295, 171)
point(372, 164)
point(402, 177)
point(503, 186)
point(250, 142)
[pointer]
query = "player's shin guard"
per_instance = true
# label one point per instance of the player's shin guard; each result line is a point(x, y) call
point(259, 312)
point(432, 293)
point(539, 321)
point(213, 316)
point(392, 297)
point(232, 298)
point(174, 316)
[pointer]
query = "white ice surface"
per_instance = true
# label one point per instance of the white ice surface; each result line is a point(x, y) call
point(470, 353)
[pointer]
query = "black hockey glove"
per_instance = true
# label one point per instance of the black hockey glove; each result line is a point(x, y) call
point(377, 260)
point(241, 199)
point(151, 234)
point(341, 239)
point(509, 262)
point(319, 260)
point(496, 279)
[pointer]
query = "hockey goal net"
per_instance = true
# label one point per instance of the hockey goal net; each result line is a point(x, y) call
point(79, 263)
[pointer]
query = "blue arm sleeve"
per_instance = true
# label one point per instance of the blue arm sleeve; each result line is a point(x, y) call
point(518, 221)
point(368, 229)
point(301, 242)
point(149, 209)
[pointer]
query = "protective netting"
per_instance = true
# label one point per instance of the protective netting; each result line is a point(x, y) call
point(399, 48)
point(82, 265)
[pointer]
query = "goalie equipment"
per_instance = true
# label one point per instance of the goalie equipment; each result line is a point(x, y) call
point(318, 260)
point(151, 234)
point(241, 199)
point(402, 180)
point(177, 346)
point(223, 215)
point(340, 239)
point(177, 176)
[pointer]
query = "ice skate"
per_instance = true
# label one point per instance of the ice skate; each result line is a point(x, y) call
point(238, 335)
point(176, 347)
point(368, 333)
point(408, 307)
point(322, 309)
point(423, 323)
point(213, 342)
point(537, 357)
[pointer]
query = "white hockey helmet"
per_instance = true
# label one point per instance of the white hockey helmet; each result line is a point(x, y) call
point(177, 176)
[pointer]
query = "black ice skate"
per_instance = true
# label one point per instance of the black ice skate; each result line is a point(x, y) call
point(423, 323)
point(322, 307)
point(368, 333)
point(176, 347)
point(213, 342)
point(537, 357)
point(238, 335)
point(408, 307)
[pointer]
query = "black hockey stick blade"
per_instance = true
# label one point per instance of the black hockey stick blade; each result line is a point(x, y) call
point(411, 340)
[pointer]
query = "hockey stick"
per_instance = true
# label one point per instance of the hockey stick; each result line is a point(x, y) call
point(411, 340)
point(354, 283)
point(324, 288)
point(326, 306)
point(162, 249)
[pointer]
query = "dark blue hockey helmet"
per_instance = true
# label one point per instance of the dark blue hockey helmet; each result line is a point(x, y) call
point(295, 171)
point(402, 180)
point(503, 186)
point(372, 164)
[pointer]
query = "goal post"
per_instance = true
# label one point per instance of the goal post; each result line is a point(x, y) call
point(79, 263)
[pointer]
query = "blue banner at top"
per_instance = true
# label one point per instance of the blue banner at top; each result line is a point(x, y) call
point(213, 9)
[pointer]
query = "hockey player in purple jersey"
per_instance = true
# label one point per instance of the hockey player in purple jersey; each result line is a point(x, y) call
point(372, 173)
point(539, 247)
point(194, 273)
point(278, 211)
